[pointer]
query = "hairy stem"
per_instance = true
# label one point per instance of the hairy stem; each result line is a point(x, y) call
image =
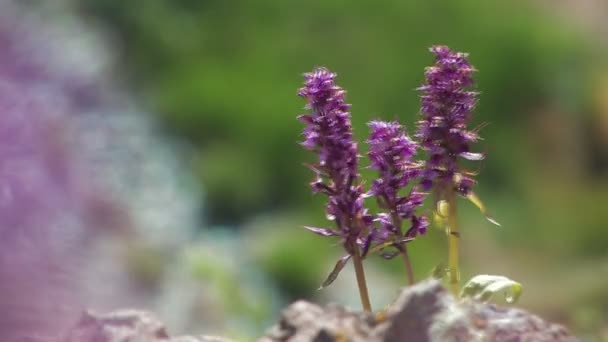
point(453, 237)
point(361, 281)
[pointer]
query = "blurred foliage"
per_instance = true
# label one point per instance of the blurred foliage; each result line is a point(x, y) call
point(222, 75)
point(236, 292)
point(293, 257)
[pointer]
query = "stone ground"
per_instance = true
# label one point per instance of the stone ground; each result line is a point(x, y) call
point(423, 312)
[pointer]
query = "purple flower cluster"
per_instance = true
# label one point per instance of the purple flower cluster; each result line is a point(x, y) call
point(328, 132)
point(447, 104)
point(446, 109)
point(390, 152)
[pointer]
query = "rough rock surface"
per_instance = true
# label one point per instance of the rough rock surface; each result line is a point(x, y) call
point(424, 312)
point(126, 326)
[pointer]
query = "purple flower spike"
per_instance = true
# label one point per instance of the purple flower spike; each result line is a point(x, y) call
point(446, 110)
point(328, 132)
point(390, 152)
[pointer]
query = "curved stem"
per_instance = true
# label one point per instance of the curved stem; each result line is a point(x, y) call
point(361, 281)
point(403, 250)
point(408, 265)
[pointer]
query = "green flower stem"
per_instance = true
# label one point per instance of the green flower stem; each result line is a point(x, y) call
point(361, 281)
point(453, 240)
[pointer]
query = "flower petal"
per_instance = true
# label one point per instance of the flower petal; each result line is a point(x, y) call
point(323, 231)
point(472, 156)
point(365, 244)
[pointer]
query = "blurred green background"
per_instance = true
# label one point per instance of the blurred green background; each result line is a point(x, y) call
point(222, 76)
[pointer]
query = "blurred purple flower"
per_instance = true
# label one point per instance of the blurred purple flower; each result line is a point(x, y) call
point(39, 221)
point(45, 205)
point(446, 110)
point(82, 176)
point(328, 132)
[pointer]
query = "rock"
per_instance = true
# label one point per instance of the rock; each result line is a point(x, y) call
point(304, 321)
point(199, 339)
point(126, 326)
point(423, 312)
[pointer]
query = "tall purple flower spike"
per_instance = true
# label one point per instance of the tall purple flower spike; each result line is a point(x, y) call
point(328, 132)
point(446, 110)
point(390, 152)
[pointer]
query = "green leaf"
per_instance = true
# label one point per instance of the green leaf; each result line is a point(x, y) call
point(479, 204)
point(334, 273)
point(483, 287)
point(392, 242)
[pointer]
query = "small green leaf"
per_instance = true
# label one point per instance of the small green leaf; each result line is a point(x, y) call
point(440, 214)
point(443, 209)
point(483, 287)
point(389, 243)
point(439, 271)
point(334, 273)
